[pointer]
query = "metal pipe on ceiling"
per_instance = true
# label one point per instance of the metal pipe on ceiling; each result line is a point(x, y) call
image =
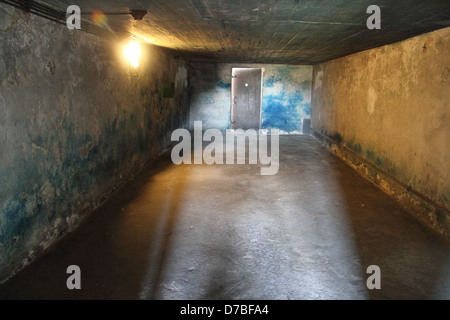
point(38, 9)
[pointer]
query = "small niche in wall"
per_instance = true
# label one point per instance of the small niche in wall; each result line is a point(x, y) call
point(167, 90)
point(306, 126)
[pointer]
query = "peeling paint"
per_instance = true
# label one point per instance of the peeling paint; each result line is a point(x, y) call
point(371, 100)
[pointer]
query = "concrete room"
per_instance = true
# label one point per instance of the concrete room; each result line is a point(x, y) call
point(351, 97)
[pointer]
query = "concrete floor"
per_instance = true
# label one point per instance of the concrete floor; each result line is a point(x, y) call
point(226, 232)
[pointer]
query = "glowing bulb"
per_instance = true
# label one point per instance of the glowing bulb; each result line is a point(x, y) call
point(132, 53)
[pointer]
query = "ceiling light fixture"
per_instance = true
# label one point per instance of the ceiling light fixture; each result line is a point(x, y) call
point(138, 14)
point(132, 53)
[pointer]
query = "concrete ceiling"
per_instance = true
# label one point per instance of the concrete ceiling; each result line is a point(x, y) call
point(283, 31)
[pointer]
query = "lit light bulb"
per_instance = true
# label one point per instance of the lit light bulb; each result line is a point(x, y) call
point(132, 53)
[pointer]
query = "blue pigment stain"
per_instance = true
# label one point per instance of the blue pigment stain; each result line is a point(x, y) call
point(270, 81)
point(281, 111)
point(306, 107)
point(283, 73)
point(223, 85)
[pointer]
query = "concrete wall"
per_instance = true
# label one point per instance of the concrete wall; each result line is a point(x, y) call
point(75, 123)
point(286, 95)
point(390, 107)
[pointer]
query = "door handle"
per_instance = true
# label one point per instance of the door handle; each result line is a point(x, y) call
point(234, 100)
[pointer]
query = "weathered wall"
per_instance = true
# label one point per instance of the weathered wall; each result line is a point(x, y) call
point(390, 106)
point(286, 95)
point(75, 123)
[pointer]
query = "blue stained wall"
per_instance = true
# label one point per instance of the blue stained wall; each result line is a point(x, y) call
point(286, 95)
point(76, 122)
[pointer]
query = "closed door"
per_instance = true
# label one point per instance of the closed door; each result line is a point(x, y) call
point(246, 89)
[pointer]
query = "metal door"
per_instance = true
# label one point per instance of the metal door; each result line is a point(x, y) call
point(246, 89)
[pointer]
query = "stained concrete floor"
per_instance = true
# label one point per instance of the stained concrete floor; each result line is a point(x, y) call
point(226, 232)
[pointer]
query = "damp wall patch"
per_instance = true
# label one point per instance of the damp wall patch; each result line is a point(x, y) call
point(286, 95)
